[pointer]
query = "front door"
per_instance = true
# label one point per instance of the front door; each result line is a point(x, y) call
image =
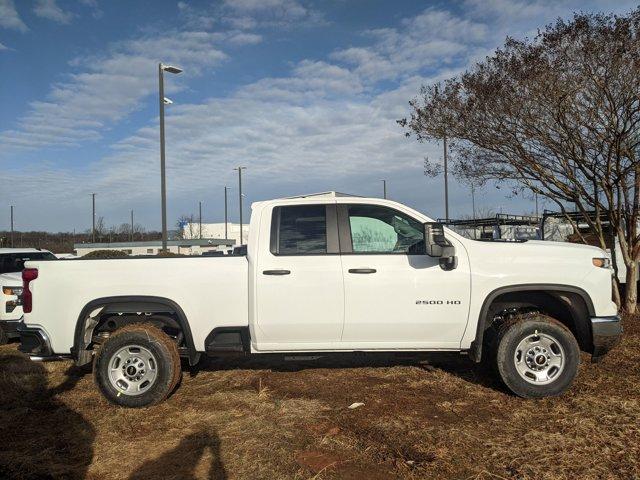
point(300, 294)
point(396, 296)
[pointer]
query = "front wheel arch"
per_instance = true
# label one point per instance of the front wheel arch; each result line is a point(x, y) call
point(129, 304)
point(579, 306)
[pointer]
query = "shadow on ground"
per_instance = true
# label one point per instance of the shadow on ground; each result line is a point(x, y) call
point(42, 437)
point(197, 451)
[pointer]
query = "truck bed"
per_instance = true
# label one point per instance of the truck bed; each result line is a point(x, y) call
point(212, 291)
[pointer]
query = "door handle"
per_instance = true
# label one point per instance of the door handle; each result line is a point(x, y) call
point(276, 272)
point(362, 270)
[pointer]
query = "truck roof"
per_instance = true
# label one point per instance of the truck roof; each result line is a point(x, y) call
point(330, 194)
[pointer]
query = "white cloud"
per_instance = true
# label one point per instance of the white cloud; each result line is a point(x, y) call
point(50, 10)
point(9, 17)
point(108, 88)
point(242, 38)
point(3, 47)
point(435, 38)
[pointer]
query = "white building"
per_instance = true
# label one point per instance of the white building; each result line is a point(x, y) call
point(152, 247)
point(191, 230)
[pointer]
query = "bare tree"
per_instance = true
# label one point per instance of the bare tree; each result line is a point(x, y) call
point(557, 116)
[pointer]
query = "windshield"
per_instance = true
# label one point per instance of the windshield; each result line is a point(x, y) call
point(14, 262)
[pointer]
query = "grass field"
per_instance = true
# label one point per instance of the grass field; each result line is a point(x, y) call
point(445, 418)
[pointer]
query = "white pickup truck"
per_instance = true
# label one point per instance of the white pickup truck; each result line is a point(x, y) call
point(11, 264)
point(327, 273)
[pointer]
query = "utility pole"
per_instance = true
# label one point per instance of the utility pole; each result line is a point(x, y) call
point(384, 188)
point(446, 180)
point(11, 226)
point(131, 236)
point(163, 183)
point(93, 218)
point(240, 198)
point(536, 195)
point(226, 216)
point(200, 219)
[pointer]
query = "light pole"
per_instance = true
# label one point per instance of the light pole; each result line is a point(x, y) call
point(226, 216)
point(11, 226)
point(446, 180)
point(131, 236)
point(163, 184)
point(239, 169)
point(384, 188)
point(93, 218)
point(200, 219)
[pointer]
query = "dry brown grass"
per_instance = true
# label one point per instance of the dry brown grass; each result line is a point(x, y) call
point(269, 419)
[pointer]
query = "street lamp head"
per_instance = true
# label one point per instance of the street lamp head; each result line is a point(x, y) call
point(167, 101)
point(171, 69)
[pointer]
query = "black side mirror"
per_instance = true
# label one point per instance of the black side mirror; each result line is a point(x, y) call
point(438, 246)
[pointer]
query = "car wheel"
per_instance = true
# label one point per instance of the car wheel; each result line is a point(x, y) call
point(537, 356)
point(137, 366)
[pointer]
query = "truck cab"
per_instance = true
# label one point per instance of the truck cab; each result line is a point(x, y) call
point(328, 273)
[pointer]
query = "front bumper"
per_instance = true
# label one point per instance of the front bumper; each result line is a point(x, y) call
point(607, 332)
point(35, 342)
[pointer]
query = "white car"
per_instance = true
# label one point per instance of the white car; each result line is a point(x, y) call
point(11, 265)
point(327, 273)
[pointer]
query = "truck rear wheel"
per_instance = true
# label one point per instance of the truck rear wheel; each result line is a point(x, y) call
point(537, 356)
point(137, 366)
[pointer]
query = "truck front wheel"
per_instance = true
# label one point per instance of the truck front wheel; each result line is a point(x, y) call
point(137, 366)
point(537, 356)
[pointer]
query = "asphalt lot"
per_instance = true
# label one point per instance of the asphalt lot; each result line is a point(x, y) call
point(256, 419)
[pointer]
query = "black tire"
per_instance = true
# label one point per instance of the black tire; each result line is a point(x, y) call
point(164, 363)
point(4, 338)
point(519, 356)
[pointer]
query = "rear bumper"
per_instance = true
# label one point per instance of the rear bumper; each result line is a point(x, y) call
point(607, 332)
point(35, 343)
point(10, 327)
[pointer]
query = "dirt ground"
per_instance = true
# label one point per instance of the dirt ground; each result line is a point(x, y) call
point(268, 419)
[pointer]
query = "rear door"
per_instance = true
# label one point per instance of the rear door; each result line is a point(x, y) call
point(299, 284)
point(396, 296)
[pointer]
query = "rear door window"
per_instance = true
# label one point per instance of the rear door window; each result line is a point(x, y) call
point(301, 230)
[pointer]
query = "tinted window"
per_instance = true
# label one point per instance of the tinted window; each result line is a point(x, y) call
point(302, 230)
point(377, 229)
point(14, 262)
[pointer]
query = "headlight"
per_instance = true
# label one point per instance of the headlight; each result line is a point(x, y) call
point(601, 262)
point(12, 290)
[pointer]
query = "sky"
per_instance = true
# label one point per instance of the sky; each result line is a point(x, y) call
point(305, 94)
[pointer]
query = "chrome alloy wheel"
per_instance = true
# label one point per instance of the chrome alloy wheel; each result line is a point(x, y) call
point(133, 370)
point(539, 358)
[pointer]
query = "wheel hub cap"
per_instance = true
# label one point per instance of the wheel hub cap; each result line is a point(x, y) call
point(539, 358)
point(133, 370)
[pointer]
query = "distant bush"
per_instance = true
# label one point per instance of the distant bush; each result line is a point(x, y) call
point(170, 254)
point(105, 254)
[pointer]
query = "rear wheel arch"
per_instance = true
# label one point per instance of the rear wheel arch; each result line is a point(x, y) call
point(163, 309)
point(568, 304)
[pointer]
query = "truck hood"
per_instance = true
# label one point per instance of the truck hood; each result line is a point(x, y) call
point(13, 279)
point(534, 252)
point(567, 247)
